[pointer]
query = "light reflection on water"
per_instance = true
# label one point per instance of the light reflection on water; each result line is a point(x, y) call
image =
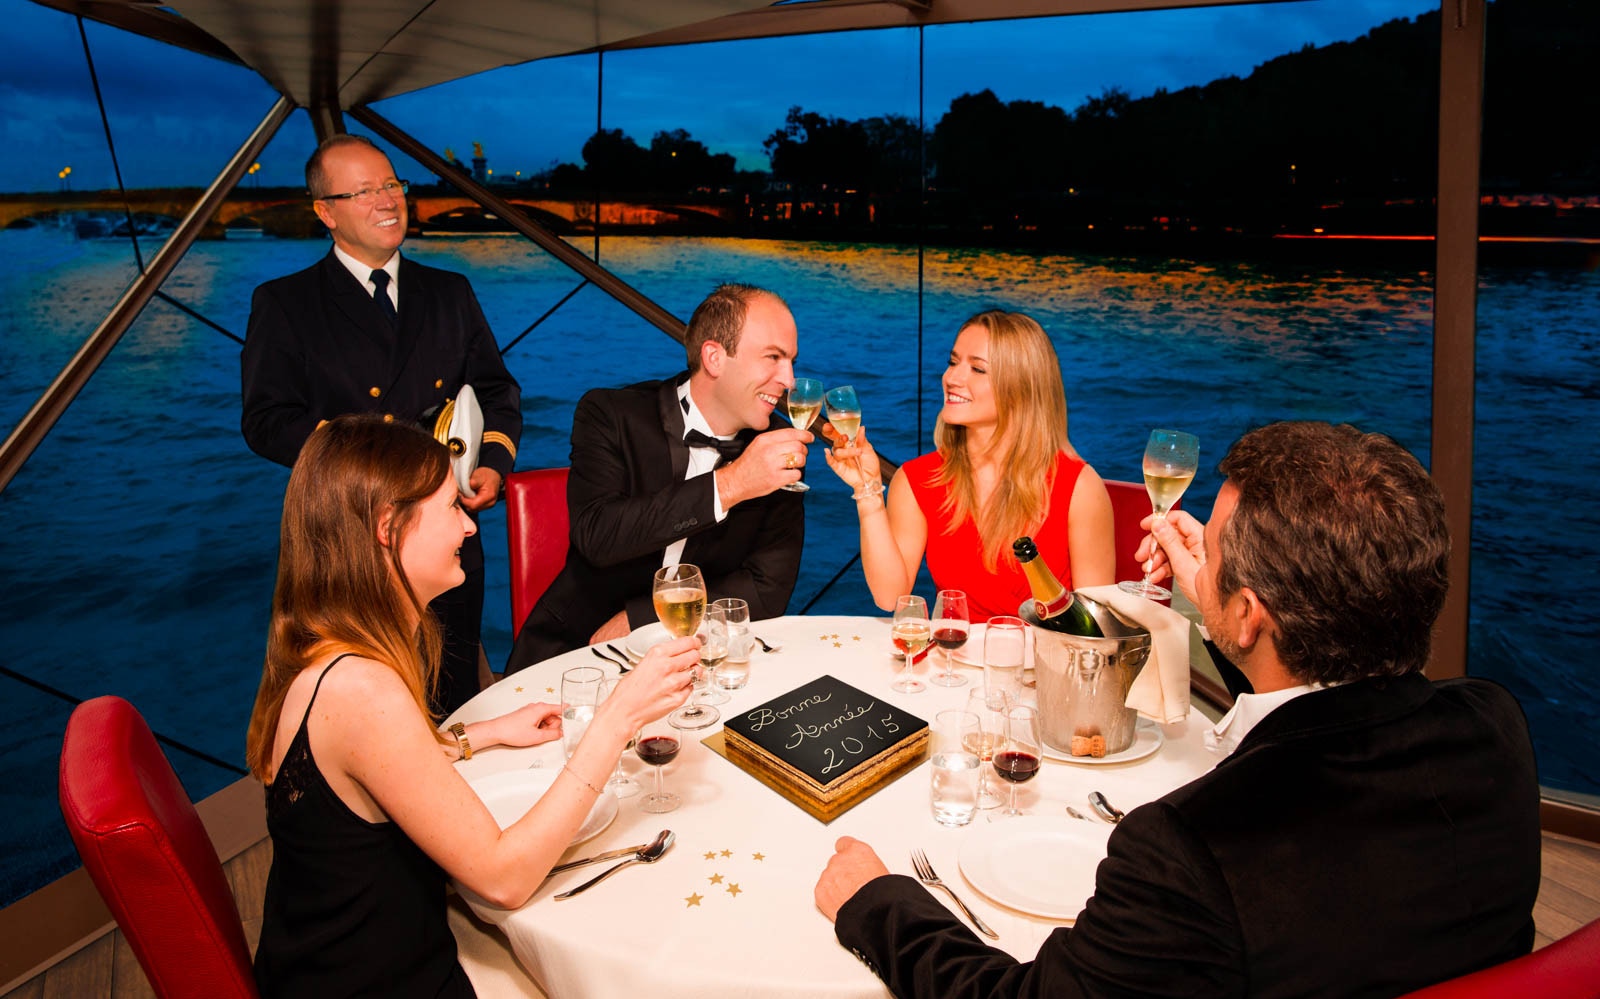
point(139, 542)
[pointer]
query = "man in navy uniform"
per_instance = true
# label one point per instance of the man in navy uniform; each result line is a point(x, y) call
point(365, 330)
point(1365, 831)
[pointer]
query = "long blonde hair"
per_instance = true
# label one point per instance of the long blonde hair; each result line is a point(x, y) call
point(340, 590)
point(1030, 429)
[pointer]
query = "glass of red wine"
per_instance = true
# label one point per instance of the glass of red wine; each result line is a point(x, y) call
point(1019, 753)
point(949, 633)
point(657, 745)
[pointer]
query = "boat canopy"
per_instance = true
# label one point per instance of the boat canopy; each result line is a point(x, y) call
point(327, 53)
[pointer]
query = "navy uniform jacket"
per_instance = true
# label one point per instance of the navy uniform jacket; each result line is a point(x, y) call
point(627, 500)
point(1363, 840)
point(317, 347)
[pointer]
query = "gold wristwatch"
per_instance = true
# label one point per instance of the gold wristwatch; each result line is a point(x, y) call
point(459, 730)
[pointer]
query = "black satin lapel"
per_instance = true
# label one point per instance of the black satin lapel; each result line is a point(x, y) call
point(671, 411)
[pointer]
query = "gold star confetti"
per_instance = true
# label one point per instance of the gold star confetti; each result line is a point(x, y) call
point(759, 856)
point(727, 853)
point(715, 879)
point(835, 637)
point(733, 890)
point(693, 900)
point(855, 638)
point(549, 690)
point(838, 645)
point(711, 855)
point(517, 689)
point(824, 638)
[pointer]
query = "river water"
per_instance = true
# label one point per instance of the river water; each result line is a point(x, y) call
point(138, 543)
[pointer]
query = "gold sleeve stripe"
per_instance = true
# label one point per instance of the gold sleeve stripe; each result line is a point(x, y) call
point(496, 437)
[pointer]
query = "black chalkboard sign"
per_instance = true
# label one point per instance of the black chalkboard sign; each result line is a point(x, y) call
point(826, 730)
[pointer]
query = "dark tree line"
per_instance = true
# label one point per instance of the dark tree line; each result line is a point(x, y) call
point(1346, 123)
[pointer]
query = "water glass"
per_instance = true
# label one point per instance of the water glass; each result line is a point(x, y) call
point(580, 694)
point(735, 670)
point(713, 636)
point(956, 767)
point(1005, 643)
point(619, 784)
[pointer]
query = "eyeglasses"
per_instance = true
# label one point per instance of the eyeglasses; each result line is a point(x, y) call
point(369, 195)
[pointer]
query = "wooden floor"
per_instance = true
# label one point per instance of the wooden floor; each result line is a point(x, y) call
point(1569, 897)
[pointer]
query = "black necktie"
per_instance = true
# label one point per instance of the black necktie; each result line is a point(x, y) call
point(380, 279)
point(726, 450)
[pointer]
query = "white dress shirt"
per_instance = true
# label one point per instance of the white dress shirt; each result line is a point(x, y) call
point(702, 460)
point(1247, 711)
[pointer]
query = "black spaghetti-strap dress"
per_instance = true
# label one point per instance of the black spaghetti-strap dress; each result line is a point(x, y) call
point(353, 908)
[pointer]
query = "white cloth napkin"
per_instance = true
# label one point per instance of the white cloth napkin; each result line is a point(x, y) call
point(1161, 690)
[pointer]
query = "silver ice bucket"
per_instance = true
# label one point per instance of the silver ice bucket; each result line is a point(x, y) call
point(1083, 682)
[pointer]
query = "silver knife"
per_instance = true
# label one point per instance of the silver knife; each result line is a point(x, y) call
point(625, 657)
point(597, 858)
point(1104, 807)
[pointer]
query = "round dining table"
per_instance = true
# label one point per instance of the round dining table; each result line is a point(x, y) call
point(729, 909)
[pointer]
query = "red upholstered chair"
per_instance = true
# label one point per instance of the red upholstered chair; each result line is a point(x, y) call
point(1566, 969)
point(143, 844)
point(536, 529)
point(1130, 503)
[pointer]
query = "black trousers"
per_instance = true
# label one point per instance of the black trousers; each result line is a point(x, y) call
point(460, 616)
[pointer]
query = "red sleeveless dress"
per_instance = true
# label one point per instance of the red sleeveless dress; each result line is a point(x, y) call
point(955, 557)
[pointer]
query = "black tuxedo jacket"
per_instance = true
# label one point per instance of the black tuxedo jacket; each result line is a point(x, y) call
point(1363, 840)
point(318, 347)
point(628, 500)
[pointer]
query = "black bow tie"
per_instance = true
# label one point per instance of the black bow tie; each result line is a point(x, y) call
point(726, 450)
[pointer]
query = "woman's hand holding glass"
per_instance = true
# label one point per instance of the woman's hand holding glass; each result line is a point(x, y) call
point(659, 684)
point(855, 463)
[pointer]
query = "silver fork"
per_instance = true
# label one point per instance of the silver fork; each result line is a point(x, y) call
point(765, 647)
point(925, 874)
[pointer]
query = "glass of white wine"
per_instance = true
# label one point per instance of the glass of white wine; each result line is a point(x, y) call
point(844, 412)
point(805, 399)
point(1170, 460)
point(679, 593)
point(911, 633)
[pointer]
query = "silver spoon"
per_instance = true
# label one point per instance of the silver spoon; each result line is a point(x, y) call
point(1107, 811)
point(648, 855)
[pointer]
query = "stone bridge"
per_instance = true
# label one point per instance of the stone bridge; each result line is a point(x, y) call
point(287, 212)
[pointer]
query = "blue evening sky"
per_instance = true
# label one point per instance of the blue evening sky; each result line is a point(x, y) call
point(175, 117)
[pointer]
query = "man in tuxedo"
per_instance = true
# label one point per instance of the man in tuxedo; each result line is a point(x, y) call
point(1365, 831)
point(365, 330)
point(682, 470)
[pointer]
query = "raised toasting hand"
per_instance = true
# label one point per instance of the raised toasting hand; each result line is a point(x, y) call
point(1175, 547)
point(774, 459)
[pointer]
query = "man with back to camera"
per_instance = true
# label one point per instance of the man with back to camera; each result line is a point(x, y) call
point(325, 341)
point(1368, 831)
point(683, 470)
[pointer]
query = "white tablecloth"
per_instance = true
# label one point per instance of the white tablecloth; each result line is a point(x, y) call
point(729, 910)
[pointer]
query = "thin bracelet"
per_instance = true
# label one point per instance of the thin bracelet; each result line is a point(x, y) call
point(579, 776)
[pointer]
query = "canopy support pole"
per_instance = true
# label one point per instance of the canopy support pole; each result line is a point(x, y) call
point(33, 427)
point(629, 296)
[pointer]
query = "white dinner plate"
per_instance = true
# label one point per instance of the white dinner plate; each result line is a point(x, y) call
point(971, 654)
point(1038, 864)
point(645, 638)
point(510, 794)
point(1147, 738)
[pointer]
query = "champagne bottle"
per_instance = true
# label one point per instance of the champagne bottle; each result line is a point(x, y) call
point(1056, 607)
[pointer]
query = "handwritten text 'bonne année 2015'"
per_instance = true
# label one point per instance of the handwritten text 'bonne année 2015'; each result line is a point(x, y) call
point(849, 744)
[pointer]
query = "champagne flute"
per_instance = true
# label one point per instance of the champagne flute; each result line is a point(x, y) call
point(580, 693)
point(679, 593)
point(620, 783)
point(713, 636)
point(1019, 753)
point(804, 400)
point(911, 634)
point(950, 628)
point(1005, 649)
point(657, 745)
point(844, 412)
point(989, 706)
point(1170, 460)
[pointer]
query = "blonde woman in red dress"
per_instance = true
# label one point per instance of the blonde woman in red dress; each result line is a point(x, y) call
point(1003, 468)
